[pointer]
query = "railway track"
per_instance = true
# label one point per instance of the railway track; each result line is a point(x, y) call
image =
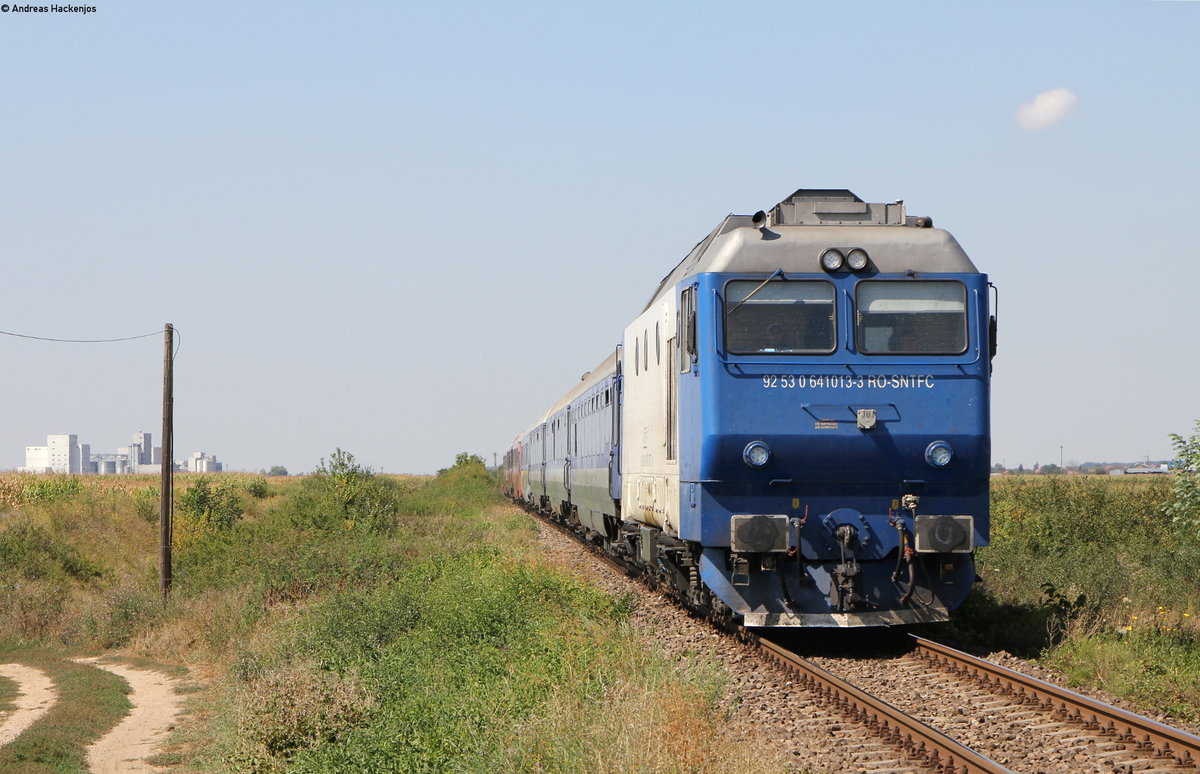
point(1155, 742)
point(916, 740)
point(1099, 736)
point(1090, 735)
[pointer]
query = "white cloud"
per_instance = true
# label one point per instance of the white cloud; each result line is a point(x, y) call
point(1046, 109)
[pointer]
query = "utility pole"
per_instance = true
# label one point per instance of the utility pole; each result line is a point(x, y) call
point(166, 497)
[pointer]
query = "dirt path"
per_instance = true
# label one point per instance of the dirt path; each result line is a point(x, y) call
point(37, 696)
point(155, 708)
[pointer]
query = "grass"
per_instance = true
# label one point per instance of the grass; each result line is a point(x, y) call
point(91, 702)
point(1087, 573)
point(8, 694)
point(1156, 668)
point(352, 621)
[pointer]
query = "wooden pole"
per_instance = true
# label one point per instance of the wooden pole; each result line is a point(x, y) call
point(167, 467)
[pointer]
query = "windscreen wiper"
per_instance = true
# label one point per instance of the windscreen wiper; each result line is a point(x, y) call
point(778, 273)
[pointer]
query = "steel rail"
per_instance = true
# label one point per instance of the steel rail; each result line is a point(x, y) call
point(1123, 726)
point(924, 743)
point(932, 748)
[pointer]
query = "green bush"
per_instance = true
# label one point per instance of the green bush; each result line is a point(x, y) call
point(32, 552)
point(257, 488)
point(1157, 666)
point(292, 708)
point(1099, 537)
point(1184, 505)
point(454, 653)
point(344, 495)
point(212, 507)
point(147, 502)
point(1099, 570)
point(126, 609)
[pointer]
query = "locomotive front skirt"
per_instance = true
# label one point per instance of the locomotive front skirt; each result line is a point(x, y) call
point(795, 431)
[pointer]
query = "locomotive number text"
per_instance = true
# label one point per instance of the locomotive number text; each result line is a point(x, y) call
point(849, 381)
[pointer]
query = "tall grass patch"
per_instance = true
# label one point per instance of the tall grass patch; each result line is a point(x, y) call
point(1100, 542)
point(473, 661)
point(358, 622)
point(1094, 574)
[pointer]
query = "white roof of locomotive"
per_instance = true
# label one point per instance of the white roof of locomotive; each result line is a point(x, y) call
point(796, 231)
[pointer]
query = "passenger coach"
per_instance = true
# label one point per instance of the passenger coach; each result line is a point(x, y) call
point(794, 432)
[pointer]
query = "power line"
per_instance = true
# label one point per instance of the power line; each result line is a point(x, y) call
point(81, 341)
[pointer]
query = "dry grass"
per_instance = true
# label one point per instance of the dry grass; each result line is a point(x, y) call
point(236, 619)
point(656, 719)
point(290, 708)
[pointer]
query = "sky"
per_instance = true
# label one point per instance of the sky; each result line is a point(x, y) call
point(404, 229)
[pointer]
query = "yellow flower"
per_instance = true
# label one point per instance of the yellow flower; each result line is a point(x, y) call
point(1128, 628)
point(1134, 617)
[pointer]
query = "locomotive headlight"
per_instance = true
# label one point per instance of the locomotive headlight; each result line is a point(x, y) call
point(939, 454)
point(831, 260)
point(756, 454)
point(856, 259)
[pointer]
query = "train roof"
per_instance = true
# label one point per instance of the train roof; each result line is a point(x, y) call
point(604, 370)
point(796, 231)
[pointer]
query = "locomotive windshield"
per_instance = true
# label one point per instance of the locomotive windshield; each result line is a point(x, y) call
point(905, 317)
point(779, 316)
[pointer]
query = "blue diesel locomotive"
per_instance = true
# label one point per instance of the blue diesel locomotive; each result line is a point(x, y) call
point(795, 431)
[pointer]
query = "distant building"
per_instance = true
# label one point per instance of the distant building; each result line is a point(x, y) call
point(61, 454)
point(200, 462)
point(1146, 468)
point(64, 454)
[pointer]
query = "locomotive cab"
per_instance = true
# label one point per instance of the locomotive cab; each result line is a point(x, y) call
point(834, 417)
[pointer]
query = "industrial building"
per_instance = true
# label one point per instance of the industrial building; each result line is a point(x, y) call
point(65, 454)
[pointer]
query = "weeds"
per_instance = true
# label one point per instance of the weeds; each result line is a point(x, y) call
point(291, 709)
point(343, 495)
point(208, 506)
point(32, 552)
point(147, 503)
point(1093, 539)
point(1090, 573)
point(51, 488)
point(1184, 505)
point(257, 488)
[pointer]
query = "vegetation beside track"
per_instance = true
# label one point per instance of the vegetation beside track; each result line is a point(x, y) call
point(347, 621)
point(1092, 574)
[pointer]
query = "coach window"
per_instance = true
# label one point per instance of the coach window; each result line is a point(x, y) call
point(790, 317)
point(911, 318)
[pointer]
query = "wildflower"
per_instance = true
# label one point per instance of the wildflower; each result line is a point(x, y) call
point(1128, 628)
